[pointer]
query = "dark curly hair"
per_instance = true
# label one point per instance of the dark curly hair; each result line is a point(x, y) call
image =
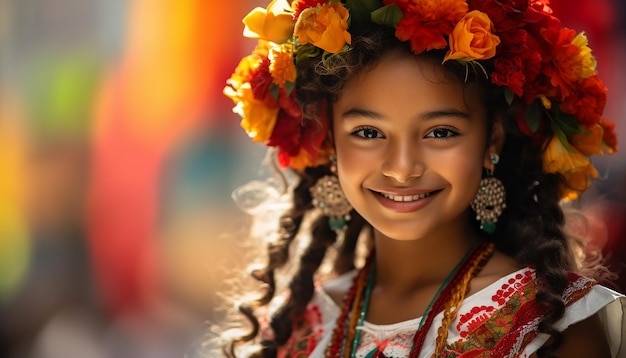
point(530, 230)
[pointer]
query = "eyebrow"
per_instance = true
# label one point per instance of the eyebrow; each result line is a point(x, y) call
point(360, 112)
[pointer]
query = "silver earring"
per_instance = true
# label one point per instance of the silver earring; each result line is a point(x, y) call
point(330, 199)
point(489, 202)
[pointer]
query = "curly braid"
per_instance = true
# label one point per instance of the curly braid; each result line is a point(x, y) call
point(301, 285)
point(530, 230)
point(277, 257)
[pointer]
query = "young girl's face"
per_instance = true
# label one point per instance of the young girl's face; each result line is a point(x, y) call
point(411, 144)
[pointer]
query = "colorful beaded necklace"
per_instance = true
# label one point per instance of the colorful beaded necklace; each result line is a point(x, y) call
point(346, 336)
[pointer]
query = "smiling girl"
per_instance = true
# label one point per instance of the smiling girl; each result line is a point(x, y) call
point(443, 137)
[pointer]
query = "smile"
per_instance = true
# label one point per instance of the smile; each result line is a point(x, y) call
point(406, 203)
point(405, 197)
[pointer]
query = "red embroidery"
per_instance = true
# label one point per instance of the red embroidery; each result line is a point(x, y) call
point(514, 285)
point(511, 327)
point(306, 334)
point(474, 318)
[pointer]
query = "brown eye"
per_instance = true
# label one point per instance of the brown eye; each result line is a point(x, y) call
point(441, 133)
point(368, 133)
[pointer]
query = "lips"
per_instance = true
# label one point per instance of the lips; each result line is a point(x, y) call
point(405, 202)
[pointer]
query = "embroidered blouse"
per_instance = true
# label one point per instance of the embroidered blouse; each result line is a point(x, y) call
point(500, 320)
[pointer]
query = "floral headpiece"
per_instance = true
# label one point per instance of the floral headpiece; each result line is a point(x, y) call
point(547, 71)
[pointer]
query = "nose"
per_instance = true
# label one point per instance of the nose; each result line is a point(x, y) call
point(403, 162)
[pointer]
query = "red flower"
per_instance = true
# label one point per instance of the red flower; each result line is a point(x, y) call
point(299, 140)
point(427, 23)
point(538, 11)
point(289, 104)
point(570, 60)
point(509, 72)
point(261, 79)
point(286, 134)
point(504, 17)
point(518, 65)
point(587, 102)
point(299, 5)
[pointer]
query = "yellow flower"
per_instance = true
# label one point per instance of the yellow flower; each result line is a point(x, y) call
point(588, 62)
point(575, 167)
point(325, 26)
point(472, 38)
point(557, 159)
point(282, 67)
point(273, 24)
point(258, 117)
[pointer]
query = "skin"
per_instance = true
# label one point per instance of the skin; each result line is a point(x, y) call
point(403, 129)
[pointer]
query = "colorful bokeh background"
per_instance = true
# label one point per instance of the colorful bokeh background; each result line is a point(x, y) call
point(118, 156)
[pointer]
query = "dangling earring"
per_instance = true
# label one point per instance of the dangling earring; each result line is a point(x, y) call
point(329, 197)
point(490, 199)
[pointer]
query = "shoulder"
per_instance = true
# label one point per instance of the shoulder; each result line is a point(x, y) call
point(505, 316)
point(592, 323)
point(584, 339)
point(593, 326)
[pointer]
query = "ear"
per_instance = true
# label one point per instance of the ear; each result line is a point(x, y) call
point(496, 141)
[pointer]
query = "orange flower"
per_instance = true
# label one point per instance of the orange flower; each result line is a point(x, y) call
point(578, 181)
point(589, 142)
point(473, 38)
point(273, 24)
point(325, 26)
point(282, 67)
point(300, 161)
point(426, 22)
point(575, 167)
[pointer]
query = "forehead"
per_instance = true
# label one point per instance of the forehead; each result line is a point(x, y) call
point(409, 80)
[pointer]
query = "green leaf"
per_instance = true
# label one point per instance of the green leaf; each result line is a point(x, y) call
point(274, 90)
point(509, 96)
point(306, 51)
point(566, 122)
point(562, 137)
point(361, 10)
point(533, 116)
point(388, 15)
point(289, 86)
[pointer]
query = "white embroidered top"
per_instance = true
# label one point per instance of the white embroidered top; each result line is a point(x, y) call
point(500, 320)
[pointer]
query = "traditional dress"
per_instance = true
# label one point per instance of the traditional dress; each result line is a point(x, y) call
point(500, 320)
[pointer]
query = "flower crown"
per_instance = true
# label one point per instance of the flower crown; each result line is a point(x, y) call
point(547, 71)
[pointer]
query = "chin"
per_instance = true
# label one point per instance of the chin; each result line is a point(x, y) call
point(400, 234)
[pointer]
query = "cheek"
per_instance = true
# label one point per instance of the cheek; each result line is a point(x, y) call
point(463, 168)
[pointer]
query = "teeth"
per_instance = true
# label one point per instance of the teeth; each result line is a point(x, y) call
point(405, 198)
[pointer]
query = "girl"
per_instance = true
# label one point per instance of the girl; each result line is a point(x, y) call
point(441, 136)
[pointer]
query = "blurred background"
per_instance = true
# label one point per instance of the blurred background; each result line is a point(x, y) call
point(118, 156)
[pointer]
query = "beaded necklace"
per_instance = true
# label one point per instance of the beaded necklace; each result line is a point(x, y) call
point(449, 296)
